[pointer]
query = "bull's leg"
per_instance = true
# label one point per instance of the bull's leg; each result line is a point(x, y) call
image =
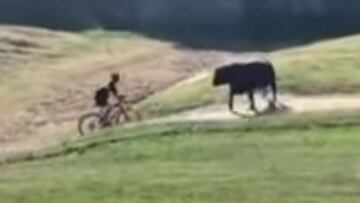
point(272, 103)
point(265, 92)
point(231, 101)
point(252, 101)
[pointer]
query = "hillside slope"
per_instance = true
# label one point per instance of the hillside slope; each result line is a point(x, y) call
point(262, 160)
point(43, 94)
point(48, 78)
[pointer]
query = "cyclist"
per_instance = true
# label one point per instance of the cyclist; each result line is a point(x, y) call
point(103, 95)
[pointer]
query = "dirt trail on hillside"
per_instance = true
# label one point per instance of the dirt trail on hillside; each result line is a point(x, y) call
point(291, 104)
point(294, 105)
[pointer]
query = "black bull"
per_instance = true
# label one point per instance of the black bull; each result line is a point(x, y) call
point(246, 78)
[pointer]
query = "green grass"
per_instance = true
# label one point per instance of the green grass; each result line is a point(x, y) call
point(292, 159)
point(325, 67)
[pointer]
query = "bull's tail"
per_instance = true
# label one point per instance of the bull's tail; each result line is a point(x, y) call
point(274, 88)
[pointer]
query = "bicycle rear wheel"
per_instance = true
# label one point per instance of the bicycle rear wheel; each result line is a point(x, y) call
point(90, 124)
point(119, 117)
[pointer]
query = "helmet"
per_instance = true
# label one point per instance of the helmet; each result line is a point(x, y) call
point(115, 77)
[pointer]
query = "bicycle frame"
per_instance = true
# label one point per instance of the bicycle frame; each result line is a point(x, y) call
point(123, 110)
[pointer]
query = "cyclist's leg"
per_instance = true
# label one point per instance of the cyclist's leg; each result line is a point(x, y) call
point(124, 110)
point(104, 111)
point(107, 115)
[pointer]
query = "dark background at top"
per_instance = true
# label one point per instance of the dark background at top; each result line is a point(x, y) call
point(216, 24)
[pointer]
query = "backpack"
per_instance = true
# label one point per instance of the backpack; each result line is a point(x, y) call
point(101, 96)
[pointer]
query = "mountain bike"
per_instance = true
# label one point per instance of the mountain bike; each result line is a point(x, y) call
point(116, 114)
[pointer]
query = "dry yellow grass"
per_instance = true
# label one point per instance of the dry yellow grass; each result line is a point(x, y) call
point(42, 96)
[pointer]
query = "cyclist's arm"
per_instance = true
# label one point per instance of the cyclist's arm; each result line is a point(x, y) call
point(114, 91)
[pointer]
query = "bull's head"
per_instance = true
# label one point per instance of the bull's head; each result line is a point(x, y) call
point(221, 77)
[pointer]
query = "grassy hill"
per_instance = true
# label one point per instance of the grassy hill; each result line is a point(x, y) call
point(280, 158)
point(48, 78)
point(297, 159)
point(326, 67)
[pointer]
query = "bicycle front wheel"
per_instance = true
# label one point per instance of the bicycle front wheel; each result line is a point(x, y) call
point(90, 124)
point(134, 115)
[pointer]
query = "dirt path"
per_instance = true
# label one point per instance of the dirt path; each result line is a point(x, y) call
point(292, 103)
